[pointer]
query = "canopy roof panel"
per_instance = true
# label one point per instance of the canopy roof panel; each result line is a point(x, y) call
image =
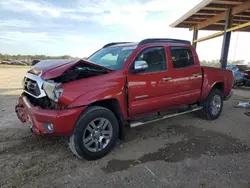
point(211, 15)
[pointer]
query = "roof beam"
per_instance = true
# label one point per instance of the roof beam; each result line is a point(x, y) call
point(222, 32)
point(214, 8)
point(238, 27)
point(242, 16)
point(227, 2)
point(198, 18)
point(204, 13)
point(210, 36)
point(190, 22)
point(240, 20)
point(235, 10)
point(210, 21)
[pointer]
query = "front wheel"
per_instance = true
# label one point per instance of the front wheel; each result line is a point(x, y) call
point(213, 105)
point(95, 133)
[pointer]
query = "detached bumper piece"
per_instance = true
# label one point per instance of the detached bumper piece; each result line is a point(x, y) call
point(47, 122)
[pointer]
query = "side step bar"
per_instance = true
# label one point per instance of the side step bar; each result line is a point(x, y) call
point(135, 124)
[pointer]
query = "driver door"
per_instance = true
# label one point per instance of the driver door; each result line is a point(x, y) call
point(147, 89)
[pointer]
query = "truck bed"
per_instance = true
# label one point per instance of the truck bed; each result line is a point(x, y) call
point(211, 76)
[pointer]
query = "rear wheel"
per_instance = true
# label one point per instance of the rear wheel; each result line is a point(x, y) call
point(234, 85)
point(213, 105)
point(95, 133)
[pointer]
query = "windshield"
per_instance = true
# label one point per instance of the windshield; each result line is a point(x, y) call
point(113, 57)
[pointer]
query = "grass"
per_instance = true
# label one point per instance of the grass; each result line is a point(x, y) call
point(14, 66)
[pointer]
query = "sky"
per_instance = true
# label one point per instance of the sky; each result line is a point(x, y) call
point(80, 27)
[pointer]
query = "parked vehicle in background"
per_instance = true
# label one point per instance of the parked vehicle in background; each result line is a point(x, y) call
point(247, 83)
point(122, 84)
point(241, 74)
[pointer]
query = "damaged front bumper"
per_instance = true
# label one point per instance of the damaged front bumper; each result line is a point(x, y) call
point(47, 122)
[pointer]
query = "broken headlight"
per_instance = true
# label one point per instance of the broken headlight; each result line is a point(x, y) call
point(52, 90)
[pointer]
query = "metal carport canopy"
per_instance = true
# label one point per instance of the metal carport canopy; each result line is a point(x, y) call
point(223, 16)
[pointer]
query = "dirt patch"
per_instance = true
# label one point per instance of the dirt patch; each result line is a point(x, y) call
point(30, 158)
point(196, 142)
point(216, 151)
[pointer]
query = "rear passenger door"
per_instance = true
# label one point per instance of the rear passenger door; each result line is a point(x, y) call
point(186, 74)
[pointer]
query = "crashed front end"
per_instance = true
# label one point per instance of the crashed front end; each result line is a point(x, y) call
point(38, 107)
point(40, 104)
point(47, 122)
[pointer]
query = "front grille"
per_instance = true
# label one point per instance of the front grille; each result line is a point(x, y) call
point(31, 86)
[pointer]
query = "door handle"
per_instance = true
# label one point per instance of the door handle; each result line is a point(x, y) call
point(195, 75)
point(166, 78)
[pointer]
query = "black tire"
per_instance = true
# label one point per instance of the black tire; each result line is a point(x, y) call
point(206, 112)
point(76, 139)
point(247, 83)
point(234, 85)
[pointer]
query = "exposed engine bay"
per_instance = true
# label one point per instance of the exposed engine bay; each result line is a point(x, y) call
point(44, 102)
point(80, 71)
point(46, 93)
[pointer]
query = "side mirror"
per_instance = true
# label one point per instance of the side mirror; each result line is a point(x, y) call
point(140, 66)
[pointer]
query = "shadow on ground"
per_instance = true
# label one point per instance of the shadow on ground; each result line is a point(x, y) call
point(196, 142)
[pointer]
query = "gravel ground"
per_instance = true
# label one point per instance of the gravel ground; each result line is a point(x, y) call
point(180, 152)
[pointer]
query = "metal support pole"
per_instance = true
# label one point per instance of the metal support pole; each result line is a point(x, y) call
point(195, 36)
point(226, 40)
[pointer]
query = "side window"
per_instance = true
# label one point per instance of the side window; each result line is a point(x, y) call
point(182, 57)
point(155, 58)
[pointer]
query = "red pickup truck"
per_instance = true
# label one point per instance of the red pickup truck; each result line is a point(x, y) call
point(122, 84)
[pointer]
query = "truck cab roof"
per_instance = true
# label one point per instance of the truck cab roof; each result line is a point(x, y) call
point(148, 41)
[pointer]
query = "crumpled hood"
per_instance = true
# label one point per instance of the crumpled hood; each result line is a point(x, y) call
point(53, 68)
point(50, 64)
